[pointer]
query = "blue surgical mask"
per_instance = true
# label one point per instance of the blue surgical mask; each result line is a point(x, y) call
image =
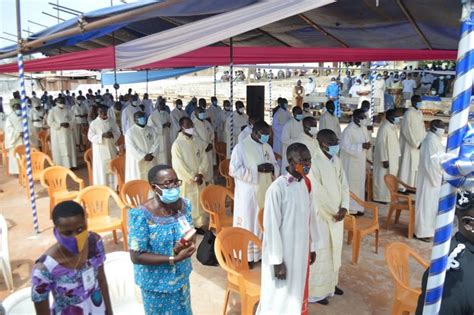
point(264, 138)
point(202, 116)
point(141, 121)
point(18, 112)
point(299, 117)
point(333, 150)
point(169, 195)
point(419, 105)
point(396, 120)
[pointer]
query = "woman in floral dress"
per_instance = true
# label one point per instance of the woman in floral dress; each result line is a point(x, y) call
point(72, 270)
point(157, 248)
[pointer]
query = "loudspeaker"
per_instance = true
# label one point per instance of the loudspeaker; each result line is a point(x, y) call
point(256, 101)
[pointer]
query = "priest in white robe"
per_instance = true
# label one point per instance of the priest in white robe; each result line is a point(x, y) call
point(247, 131)
point(13, 137)
point(386, 155)
point(291, 130)
point(329, 121)
point(63, 146)
point(218, 119)
point(190, 164)
point(176, 114)
point(36, 121)
point(412, 133)
point(253, 167)
point(379, 93)
point(290, 238)
point(428, 183)
point(143, 147)
point(128, 112)
point(354, 146)
point(331, 198)
point(204, 131)
point(103, 133)
point(80, 112)
point(160, 120)
point(281, 116)
point(234, 125)
point(147, 105)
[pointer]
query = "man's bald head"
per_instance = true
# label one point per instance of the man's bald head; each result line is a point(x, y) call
point(296, 151)
point(309, 122)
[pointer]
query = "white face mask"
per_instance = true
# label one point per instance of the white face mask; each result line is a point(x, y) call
point(396, 120)
point(364, 122)
point(241, 110)
point(313, 131)
point(61, 105)
point(189, 131)
point(439, 132)
point(135, 103)
point(433, 92)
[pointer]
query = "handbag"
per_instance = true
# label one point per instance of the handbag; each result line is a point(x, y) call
point(205, 252)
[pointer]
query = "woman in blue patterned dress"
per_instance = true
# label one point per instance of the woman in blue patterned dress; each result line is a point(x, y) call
point(72, 269)
point(160, 255)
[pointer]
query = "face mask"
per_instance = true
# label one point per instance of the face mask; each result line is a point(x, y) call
point(333, 150)
point(241, 110)
point(299, 117)
point(18, 112)
point(433, 92)
point(73, 244)
point(419, 105)
point(202, 116)
point(264, 138)
point(379, 78)
point(79, 102)
point(141, 121)
point(366, 81)
point(189, 131)
point(363, 122)
point(439, 132)
point(227, 108)
point(313, 131)
point(302, 169)
point(135, 103)
point(441, 78)
point(169, 195)
point(396, 120)
point(214, 103)
point(61, 105)
point(357, 83)
point(179, 107)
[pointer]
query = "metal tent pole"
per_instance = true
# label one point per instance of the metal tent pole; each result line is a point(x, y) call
point(231, 98)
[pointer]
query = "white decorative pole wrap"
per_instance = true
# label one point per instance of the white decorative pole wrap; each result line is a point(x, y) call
point(373, 74)
point(270, 110)
point(458, 125)
point(215, 81)
point(231, 98)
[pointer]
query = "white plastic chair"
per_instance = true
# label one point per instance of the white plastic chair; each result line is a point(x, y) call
point(19, 303)
point(5, 265)
point(124, 294)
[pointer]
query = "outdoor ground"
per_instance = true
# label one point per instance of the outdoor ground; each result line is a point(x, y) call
point(368, 286)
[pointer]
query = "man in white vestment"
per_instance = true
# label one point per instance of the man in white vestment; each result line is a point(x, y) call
point(189, 162)
point(142, 145)
point(428, 183)
point(204, 131)
point(364, 92)
point(247, 131)
point(160, 119)
point(234, 125)
point(291, 130)
point(13, 137)
point(36, 122)
point(80, 111)
point(103, 134)
point(227, 110)
point(354, 146)
point(308, 137)
point(63, 146)
point(387, 155)
point(379, 93)
point(176, 114)
point(307, 111)
point(355, 88)
point(147, 104)
point(329, 120)
point(253, 167)
point(218, 118)
point(281, 116)
point(412, 133)
point(128, 112)
point(290, 238)
point(331, 198)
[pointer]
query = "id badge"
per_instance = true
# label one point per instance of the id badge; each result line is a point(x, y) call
point(184, 225)
point(88, 279)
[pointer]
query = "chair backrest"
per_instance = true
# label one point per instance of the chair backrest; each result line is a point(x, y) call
point(121, 144)
point(95, 200)
point(391, 182)
point(117, 165)
point(213, 201)
point(231, 247)
point(118, 269)
point(224, 171)
point(221, 150)
point(88, 161)
point(39, 162)
point(20, 151)
point(367, 205)
point(4, 232)
point(19, 303)
point(135, 192)
point(43, 136)
point(55, 178)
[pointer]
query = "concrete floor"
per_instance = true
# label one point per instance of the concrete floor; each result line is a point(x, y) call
point(368, 286)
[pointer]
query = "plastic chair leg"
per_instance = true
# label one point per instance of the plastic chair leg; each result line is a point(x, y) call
point(226, 300)
point(349, 237)
point(125, 238)
point(389, 217)
point(114, 233)
point(377, 241)
point(397, 215)
point(411, 222)
point(356, 248)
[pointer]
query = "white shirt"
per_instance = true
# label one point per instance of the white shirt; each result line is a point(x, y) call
point(408, 85)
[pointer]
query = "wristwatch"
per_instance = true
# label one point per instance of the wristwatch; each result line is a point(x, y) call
point(171, 260)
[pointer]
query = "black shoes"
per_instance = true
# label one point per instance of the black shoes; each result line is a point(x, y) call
point(324, 301)
point(338, 291)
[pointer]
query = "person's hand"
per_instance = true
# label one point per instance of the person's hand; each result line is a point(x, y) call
point(312, 258)
point(385, 164)
point(185, 253)
point(178, 247)
point(370, 128)
point(339, 216)
point(149, 157)
point(65, 125)
point(108, 135)
point(209, 147)
point(419, 147)
point(366, 145)
point(199, 179)
point(265, 168)
point(280, 271)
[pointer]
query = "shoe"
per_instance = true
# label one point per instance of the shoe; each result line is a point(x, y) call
point(323, 302)
point(359, 214)
point(423, 239)
point(338, 291)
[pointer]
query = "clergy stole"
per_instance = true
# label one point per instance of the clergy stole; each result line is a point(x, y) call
point(264, 180)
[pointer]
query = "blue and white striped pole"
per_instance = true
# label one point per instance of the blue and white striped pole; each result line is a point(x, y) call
point(373, 74)
point(231, 98)
point(458, 125)
point(270, 108)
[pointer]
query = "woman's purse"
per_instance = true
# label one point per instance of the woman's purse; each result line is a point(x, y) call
point(205, 252)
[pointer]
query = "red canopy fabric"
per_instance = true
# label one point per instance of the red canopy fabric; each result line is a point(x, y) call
point(103, 58)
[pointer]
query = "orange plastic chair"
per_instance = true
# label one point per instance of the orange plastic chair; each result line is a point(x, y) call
point(88, 161)
point(224, 171)
point(39, 162)
point(44, 138)
point(19, 152)
point(399, 202)
point(135, 193)
point(369, 189)
point(213, 200)
point(230, 248)
point(121, 144)
point(95, 200)
point(54, 178)
point(260, 219)
point(117, 166)
point(397, 256)
point(220, 151)
point(359, 227)
point(3, 151)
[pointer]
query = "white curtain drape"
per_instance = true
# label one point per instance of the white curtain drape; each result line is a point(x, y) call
point(188, 37)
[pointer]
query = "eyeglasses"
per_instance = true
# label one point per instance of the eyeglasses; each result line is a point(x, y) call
point(171, 184)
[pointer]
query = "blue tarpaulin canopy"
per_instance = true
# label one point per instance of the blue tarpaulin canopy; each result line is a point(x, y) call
point(143, 76)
